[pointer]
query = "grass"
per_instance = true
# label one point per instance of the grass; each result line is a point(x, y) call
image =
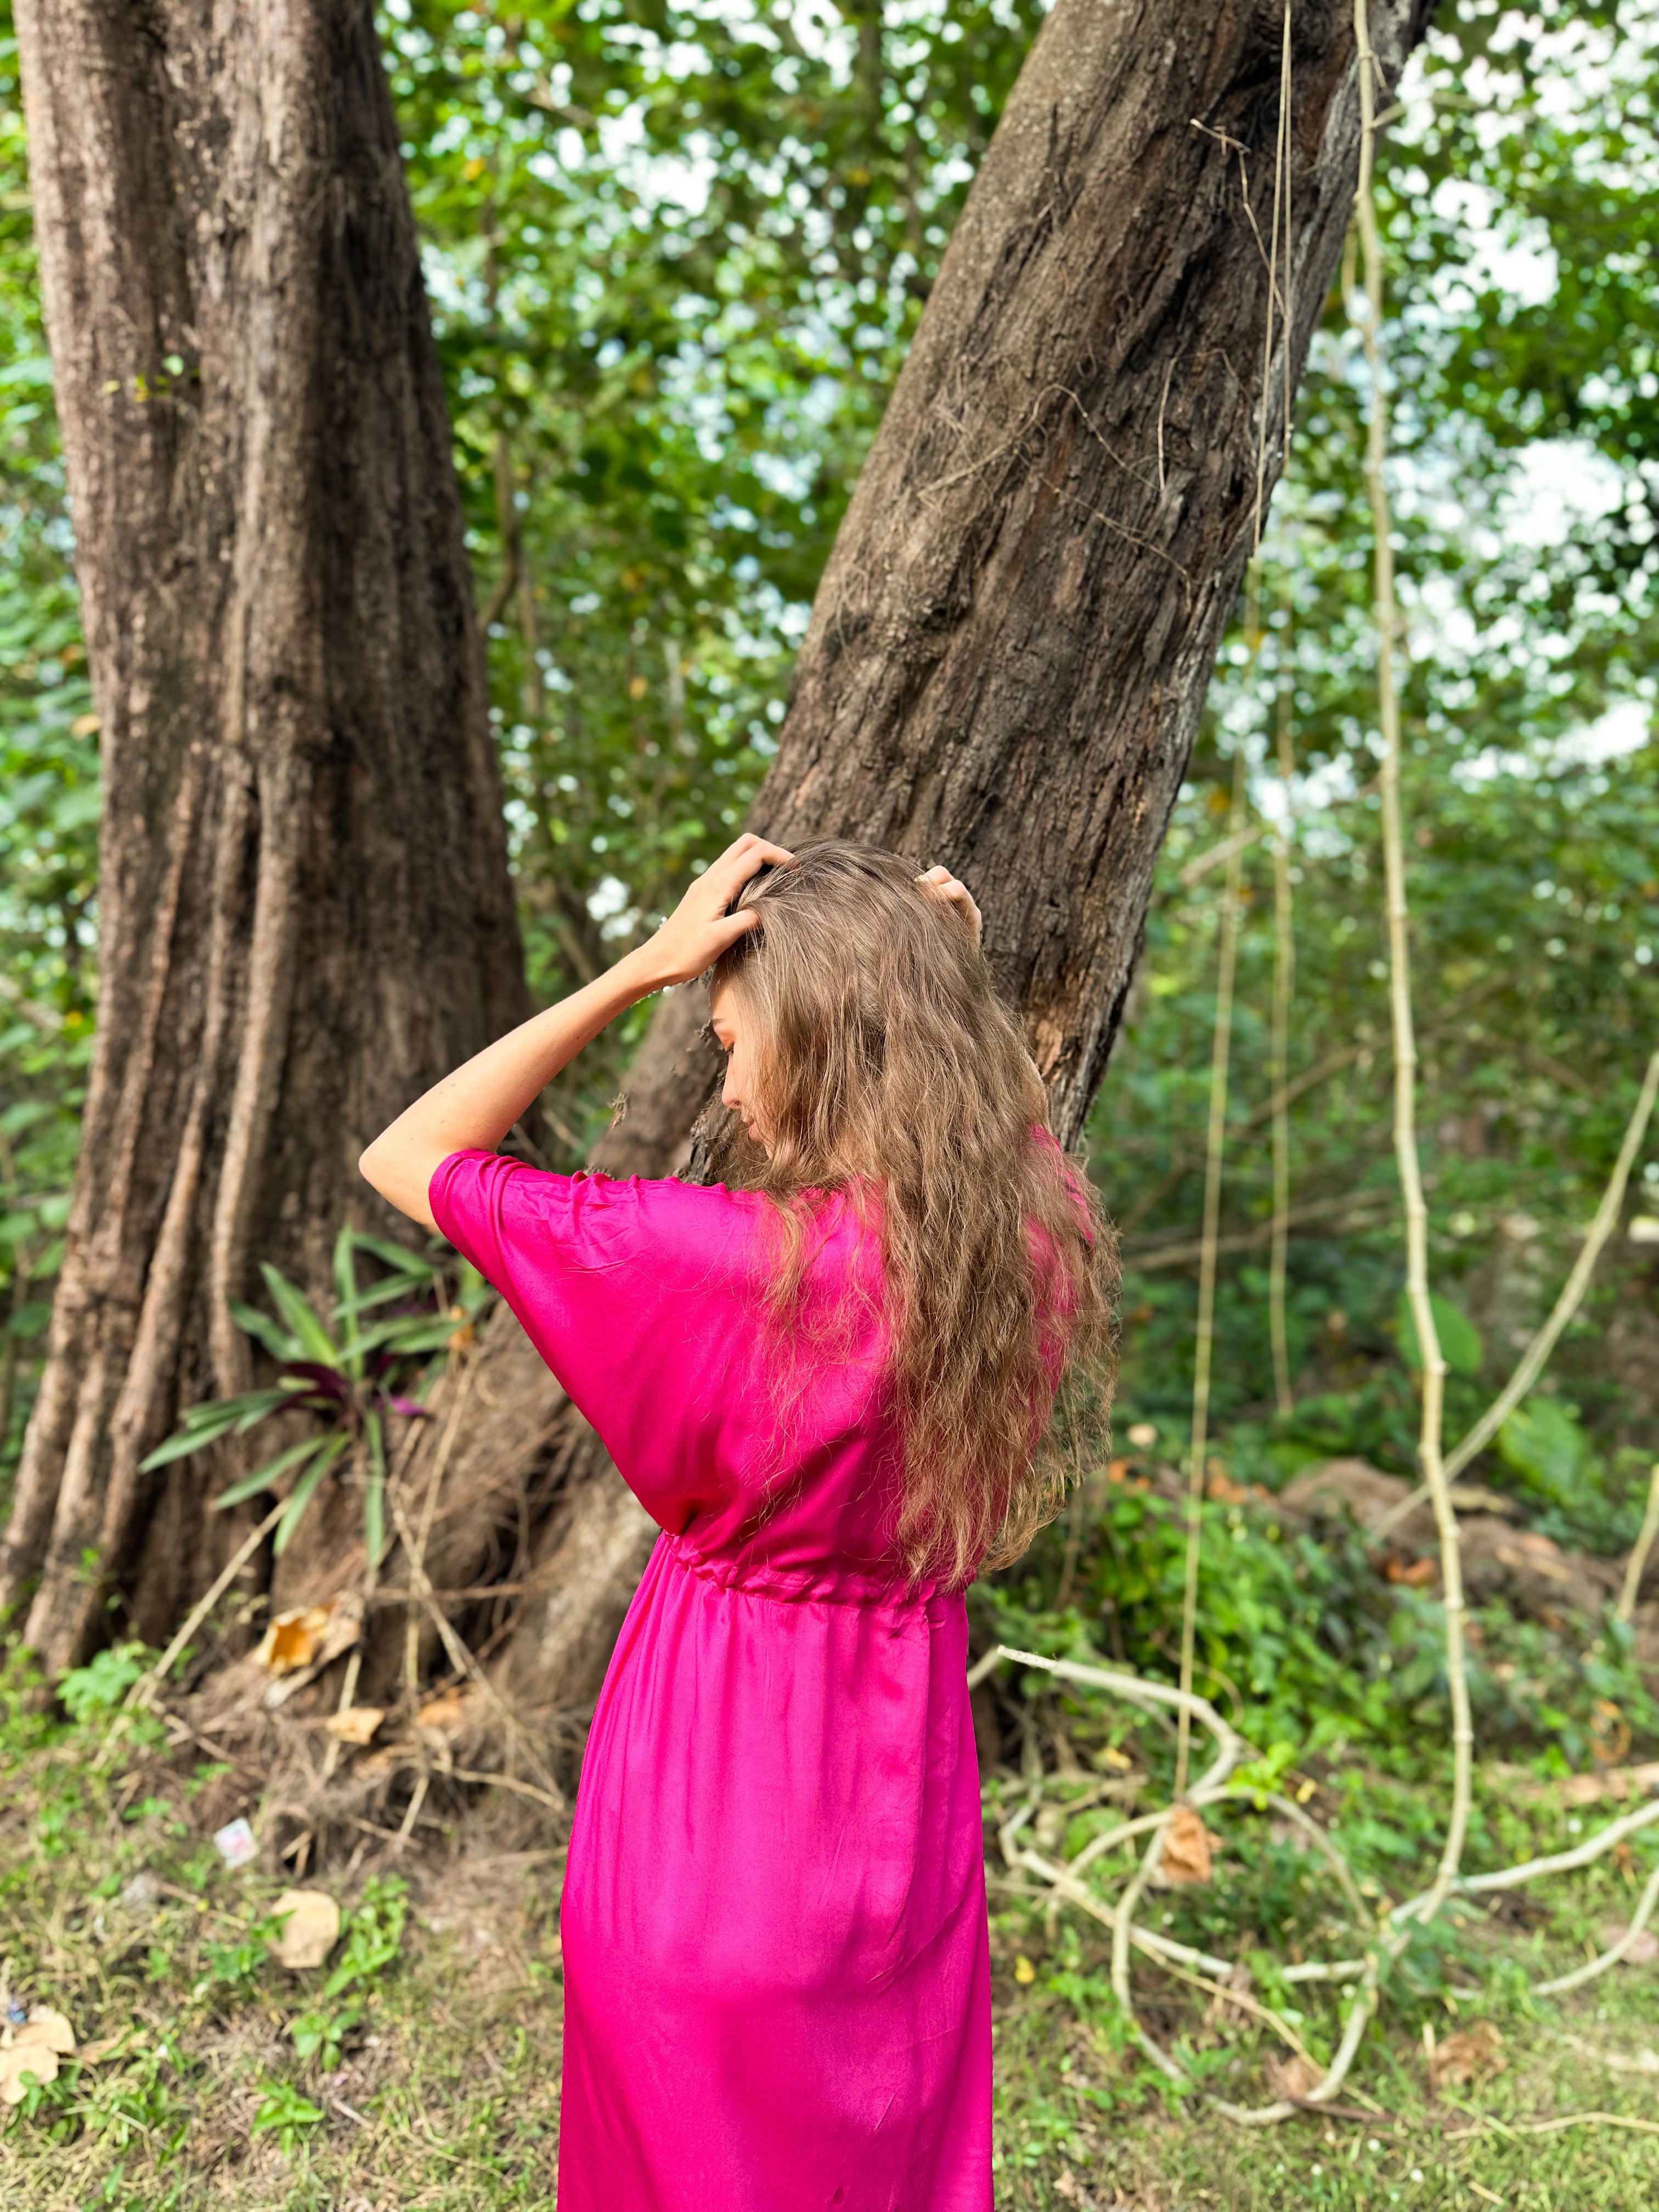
point(431, 2078)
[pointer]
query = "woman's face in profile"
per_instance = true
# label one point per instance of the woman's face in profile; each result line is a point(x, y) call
point(734, 1029)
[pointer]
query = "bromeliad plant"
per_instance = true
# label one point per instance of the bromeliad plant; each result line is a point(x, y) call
point(353, 1374)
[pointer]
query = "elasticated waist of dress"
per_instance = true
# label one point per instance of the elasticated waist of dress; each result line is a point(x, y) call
point(831, 1583)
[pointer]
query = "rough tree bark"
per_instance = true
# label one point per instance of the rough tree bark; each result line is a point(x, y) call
point(1011, 645)
point(306, 915)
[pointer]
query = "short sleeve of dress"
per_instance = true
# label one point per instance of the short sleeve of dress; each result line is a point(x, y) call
point(622, 1286)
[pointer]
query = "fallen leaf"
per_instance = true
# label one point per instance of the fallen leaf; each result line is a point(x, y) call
point(356, 1725)
point(1292, 2077)
point(1187, 1851)
point(38, 2059)
point(292, 1639)
point(1610, 1732)
point(311, 1635)
point(311, 1927)
point(1465, 2058)
point(1417, 1573)
point(446, 1712)
point(44, 2026)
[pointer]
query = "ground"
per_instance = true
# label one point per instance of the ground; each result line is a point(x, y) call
point(420, 2067)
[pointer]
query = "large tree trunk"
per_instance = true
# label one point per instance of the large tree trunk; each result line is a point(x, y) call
point(1011, 645)
point(305, 910)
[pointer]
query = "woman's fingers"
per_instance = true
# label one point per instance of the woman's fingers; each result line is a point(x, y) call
point(955, 893)
point(730, 926)
point(744, 860)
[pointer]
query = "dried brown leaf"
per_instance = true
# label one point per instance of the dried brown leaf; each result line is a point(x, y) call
point(1466, 2057)
point(356, 1725)
point(44, 2026)
point(1188, 1848)
point(311, 1927)
point(1293, 2076)
point(445, 1712)
point(292, 1639)
point(38, 2059)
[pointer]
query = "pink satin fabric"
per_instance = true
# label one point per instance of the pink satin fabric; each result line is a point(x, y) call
point(777, 1977)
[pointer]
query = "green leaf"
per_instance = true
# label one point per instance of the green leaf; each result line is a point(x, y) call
point(263, 1477)
point(346, 1281)
point(260, 1326)
point(261, 1403)
point(315, 1341)
point(1459, 1340)
point(407, 1332)
point(195, 1434)
point(415, 1333)
point(411, 1264)
point(379, 1293)
point(1541, 1441)
point(374, 1490)
point(303, 1491)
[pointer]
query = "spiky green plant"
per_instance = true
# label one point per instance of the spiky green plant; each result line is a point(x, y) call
point(353, 1375)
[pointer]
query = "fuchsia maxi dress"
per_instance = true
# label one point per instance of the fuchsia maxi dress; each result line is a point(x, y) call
point(777, 1975)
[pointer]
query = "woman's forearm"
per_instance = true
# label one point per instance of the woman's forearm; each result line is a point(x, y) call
point(476, 1105)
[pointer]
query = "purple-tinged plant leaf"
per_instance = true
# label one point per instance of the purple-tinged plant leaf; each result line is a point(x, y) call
point(328, 1380)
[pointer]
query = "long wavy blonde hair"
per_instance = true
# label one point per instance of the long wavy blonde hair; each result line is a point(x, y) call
point(891, 1070)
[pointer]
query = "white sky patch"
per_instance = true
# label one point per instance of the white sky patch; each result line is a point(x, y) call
point(1623, 729)
point(609, 899)
point(1509, 257)
point(1559, 486)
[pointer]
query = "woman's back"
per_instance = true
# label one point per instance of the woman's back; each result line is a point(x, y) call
point(767, 1449)
point(774, 1921)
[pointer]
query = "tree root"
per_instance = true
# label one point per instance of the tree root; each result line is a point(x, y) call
point(1389, 1940)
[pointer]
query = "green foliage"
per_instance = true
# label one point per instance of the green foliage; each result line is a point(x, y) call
point(353, 1377)
point(285, 2112)
point(1542, 1441)
point(98, 1687)
point(1459, 1339)
point(373, 1933)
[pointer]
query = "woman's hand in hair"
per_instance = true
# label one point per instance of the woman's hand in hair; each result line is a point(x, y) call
point(945, 885)
point(702, 926)
point(476, 1105)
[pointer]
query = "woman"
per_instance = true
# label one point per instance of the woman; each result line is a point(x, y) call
point(829, 1390)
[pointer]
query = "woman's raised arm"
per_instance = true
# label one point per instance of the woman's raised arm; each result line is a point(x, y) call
point(476, 1105)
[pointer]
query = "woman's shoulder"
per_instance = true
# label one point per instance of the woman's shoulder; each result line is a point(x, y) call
point(587, 1212)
